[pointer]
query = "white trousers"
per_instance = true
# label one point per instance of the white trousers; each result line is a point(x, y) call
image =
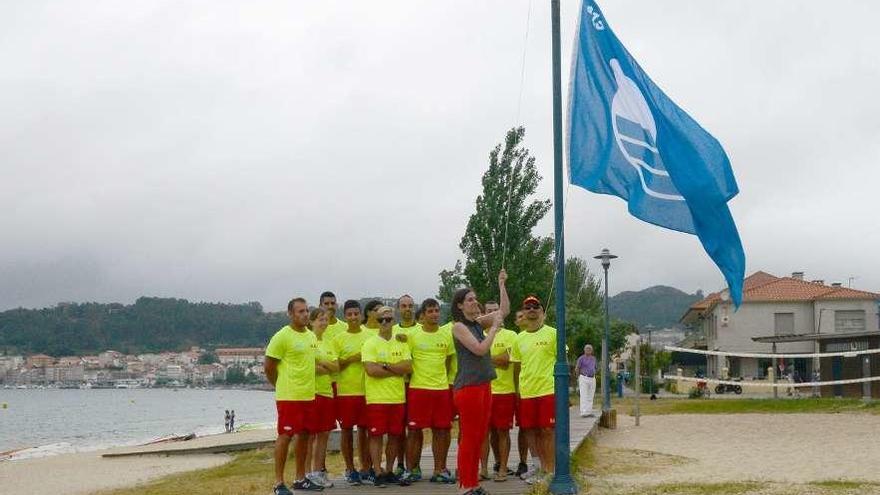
point(587, 388)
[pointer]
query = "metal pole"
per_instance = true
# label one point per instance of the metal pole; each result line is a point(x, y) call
point(562, 481)
point(606, 369)
point(776, 372)
point(638, 377)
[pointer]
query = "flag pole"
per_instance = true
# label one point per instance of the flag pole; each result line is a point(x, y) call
point(562, 481)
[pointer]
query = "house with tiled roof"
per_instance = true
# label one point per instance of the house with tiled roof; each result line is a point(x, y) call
point(789, 315)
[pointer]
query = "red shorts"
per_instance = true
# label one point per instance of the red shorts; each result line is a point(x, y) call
point(385, 418)
point(503, 407)
point(537, 412)
point(351, 411)
point(428, 409)
point(295, 416)
point(325, 414)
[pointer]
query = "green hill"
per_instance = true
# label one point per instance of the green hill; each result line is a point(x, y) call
point(660, 306)
point(150, 324)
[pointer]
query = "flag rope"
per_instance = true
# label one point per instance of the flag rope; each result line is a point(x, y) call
point(813, 355)
point(522, 77)
point(783, 384)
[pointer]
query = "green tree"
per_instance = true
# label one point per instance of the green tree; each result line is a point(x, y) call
point(235, 375)
point(500, 230)
point(208, 358)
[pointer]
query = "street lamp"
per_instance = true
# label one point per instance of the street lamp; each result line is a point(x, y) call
point(606, 258)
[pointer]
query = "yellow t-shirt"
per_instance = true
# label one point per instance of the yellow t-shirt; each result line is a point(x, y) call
point(536, 353)
point(429, 352)
point(323, 383)
point(330, 333)
point(350, 380)
point(387, 390)
point(503, 383)
point(334, 329)
point(453, 365)
point(296, 353)
point(397, 329)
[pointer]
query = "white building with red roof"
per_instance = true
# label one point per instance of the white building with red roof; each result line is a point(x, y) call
point(792, 315)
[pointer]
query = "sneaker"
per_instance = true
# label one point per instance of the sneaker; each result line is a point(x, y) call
point(443, 477)
point(521, 468)
point(306, 485)
point(499, 477)
point(353, 478)
point(371, 478)
point(325, 480)
point(281, 489)
point(402, 480)
point(539, 476)
point(399, 471)
point(407, 476)
point(315, 477)
point(529, 473)
point(416, 474)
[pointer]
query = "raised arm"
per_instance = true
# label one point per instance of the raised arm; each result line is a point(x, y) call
point(504, 304)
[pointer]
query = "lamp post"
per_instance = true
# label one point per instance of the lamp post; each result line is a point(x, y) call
point(606, 258)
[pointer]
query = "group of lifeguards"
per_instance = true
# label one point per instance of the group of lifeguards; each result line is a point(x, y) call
point(389, 375)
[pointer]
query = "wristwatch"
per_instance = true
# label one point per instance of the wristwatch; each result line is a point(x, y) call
point(384, 366)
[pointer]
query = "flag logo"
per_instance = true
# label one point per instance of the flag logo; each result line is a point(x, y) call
point(636, 135)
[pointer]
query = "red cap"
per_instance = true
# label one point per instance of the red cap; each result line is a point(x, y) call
point(532, 299)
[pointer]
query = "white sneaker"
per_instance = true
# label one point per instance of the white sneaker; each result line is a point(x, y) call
point(326, 480)
point(316, 478)
point(537, 477)
point(530, 473)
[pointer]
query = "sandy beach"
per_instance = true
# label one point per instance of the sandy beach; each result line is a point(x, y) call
point(87, 472)
point(786, 448)
point(83, 473)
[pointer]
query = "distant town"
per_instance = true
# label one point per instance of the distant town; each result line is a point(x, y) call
point(197, 367)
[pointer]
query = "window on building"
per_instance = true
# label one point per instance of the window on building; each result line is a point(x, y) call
point(849, 321)
point(763, 364)
point(783, 323)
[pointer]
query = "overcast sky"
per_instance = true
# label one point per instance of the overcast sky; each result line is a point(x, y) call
point(251, 151)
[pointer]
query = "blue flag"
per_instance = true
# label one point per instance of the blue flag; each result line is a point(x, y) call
point(628, 139)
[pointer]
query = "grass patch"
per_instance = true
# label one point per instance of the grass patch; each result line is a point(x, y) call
point(250, 472)
point(700, 489)
point(846, 485)
point(747, 406)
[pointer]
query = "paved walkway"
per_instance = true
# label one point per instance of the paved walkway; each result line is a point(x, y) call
point(580, 429)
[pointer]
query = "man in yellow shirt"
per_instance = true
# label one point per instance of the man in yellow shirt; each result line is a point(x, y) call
point(335, 326)
point(428, 401)
point(503, 401)
point(290, 367)
point(534, 353)
point(351, 405)
point(386, 361)
point(406, 323)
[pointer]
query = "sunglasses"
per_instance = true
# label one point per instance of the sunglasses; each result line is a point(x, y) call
point(531, 306)
point(386, 319)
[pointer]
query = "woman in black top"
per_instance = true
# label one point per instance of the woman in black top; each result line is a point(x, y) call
point(472, 388)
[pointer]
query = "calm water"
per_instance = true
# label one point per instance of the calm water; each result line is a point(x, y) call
point(59, 421)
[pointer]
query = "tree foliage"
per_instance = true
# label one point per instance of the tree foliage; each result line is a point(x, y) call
point(149, 325)
point(501, 230)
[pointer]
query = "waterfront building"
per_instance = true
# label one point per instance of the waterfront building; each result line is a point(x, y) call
point(240, 355)
point(793, 315)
